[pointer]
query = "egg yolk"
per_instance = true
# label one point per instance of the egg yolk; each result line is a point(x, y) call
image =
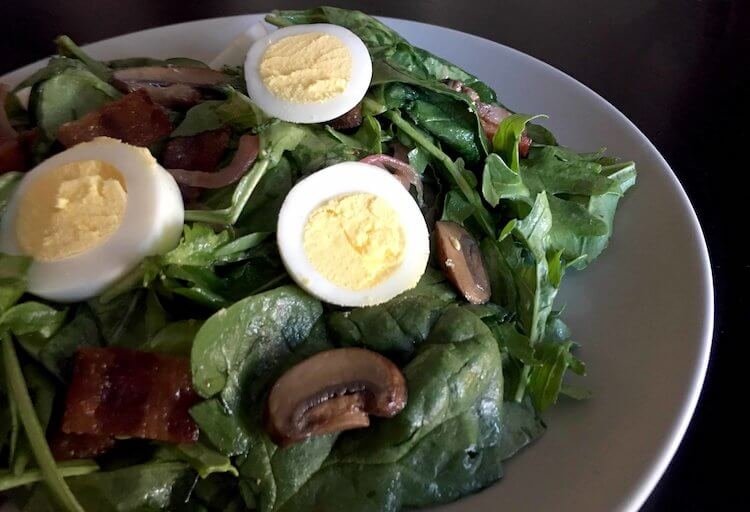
point(306, 68)
point(70, 210)
point(356, 241)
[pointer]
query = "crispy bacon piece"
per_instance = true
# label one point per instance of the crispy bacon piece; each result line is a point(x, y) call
point(348, 120)
point(524, 145)
point(134, 119)
point(126, 393)
point(200, 152)
point(79, 446)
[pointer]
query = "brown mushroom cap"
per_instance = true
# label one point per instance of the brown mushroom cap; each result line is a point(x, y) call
point(200, 77)
point(461, 260)
point(348, 120)
point(333, 391)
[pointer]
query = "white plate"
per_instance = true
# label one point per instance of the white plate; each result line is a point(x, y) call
point(643, 312)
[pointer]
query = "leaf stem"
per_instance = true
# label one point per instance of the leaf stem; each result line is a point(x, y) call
point(67, 469)
point(480, 212)
point(47, 466)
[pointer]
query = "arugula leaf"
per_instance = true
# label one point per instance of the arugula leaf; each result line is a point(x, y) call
point(204, 460)
point(13, 271)
point(558, 171)
point(276, 139)
point(34, 432)
point(508, 135)
point(545, 379)
point(9, 480)
point(500, 182)
point(454, 170)
point(8, 183)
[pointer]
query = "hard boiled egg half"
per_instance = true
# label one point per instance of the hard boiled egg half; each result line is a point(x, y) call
point(352, 235)
point(90, 214)
point(308, 73)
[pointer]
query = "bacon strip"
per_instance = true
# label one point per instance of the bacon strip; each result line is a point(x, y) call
point(126, 393)
point(79, 446)
point(244, 157)
point(200, 77)
point(401, 170)
point(134, 119)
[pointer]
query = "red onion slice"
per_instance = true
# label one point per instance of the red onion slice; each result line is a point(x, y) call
point(7, 132)
point(402, 171)
point(243, 158)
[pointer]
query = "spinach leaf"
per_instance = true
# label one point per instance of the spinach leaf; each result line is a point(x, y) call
point(444, 444)
point(67, 48)
point(238, 350)
point(55, 66)
point(456, 208)
point(399, 325)
point(376, 36)
point(42, 393)
point(200, 118)
point(197, 246)
point(175, 338)
point(67, 96)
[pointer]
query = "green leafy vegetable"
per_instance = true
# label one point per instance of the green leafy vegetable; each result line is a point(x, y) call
point(201, 118)
point(68, 96)
point(508, 135)
point(34, 432)
point(67, 48)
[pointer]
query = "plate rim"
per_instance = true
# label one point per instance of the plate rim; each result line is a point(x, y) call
point(648, 481)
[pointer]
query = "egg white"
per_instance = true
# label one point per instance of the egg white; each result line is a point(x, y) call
point(313, 112)
point(152, 223)
point(344, 179)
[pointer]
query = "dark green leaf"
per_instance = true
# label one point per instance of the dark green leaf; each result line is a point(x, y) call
point(68, 96)
point(67, 48)
point(500, 182)
point(201, 118)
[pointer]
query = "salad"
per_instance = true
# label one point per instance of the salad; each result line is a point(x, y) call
point(317, 273)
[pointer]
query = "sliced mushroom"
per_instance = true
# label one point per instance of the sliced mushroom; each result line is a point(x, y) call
point(461, 261)
point(199, 77)
point(170, 96)
point(348, 120)
point(333, 391)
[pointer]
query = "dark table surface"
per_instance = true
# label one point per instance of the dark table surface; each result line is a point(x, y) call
point(674, 67)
